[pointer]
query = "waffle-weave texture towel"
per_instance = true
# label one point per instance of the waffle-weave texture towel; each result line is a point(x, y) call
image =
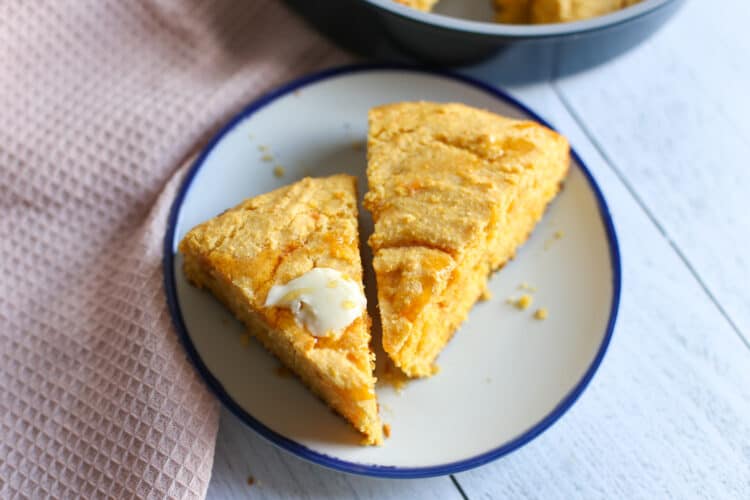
point(100, 103)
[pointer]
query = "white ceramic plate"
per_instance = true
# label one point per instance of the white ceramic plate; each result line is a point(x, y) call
point(505, 376)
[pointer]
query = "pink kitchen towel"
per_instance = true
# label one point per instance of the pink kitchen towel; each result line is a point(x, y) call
point(101, 102)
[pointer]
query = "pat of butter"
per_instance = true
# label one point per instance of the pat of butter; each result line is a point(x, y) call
point(321, 299)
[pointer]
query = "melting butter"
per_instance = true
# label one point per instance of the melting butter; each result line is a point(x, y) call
point(322, 300)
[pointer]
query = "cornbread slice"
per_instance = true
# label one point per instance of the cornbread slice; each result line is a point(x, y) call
point(540, 11)
point(453, 192)
point(512, 11)
point(563, 11)
point(274, 238)
point(425, 5)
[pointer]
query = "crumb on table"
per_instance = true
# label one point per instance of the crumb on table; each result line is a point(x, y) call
point(541, 313)
point(524, 301)
point(387, 430)
point(278, 171)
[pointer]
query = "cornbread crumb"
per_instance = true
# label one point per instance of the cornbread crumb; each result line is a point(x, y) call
point(527, 287)
point(435, 368)
point(359, 146)
point(387, 430)
point(266, 157)
point(250, 480)
point(524, 302)
point(486, 295)
point(278, 171)
point(558, 235)
point(282, 371)
point(245, 339)
point(541, 314)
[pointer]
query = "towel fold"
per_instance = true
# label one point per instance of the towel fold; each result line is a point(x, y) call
point(100, 103)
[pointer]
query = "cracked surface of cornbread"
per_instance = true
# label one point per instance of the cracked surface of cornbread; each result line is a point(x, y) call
point(453, 191)
point(270, 240)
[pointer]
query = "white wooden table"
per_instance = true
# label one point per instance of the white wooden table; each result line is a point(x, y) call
point(664, 130)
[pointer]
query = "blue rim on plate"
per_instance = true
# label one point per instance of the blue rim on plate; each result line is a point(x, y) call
point(323, 459)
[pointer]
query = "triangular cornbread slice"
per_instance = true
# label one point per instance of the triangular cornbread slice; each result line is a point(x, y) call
point(453, 192)
point(270, 240)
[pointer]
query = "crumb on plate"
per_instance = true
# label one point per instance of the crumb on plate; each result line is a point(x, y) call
point(524, 301)
point(266, 157)
point(541, 313)
point(278, 171)
point(387, 430)
point(558, 235)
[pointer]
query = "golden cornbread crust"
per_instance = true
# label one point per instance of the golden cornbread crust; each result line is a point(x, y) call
point(270, 240)
point(454, 191)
